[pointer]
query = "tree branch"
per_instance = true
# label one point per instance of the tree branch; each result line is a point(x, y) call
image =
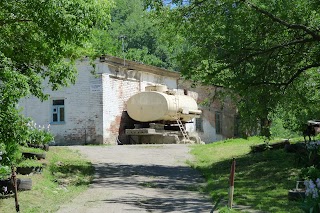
point(11, 21)
point(301, 41)
point(284, 23)
point(301, 70)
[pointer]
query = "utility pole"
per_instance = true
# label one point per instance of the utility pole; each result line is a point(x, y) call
point(122, 37)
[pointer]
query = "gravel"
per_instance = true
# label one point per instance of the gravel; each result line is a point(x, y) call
point(140, 178)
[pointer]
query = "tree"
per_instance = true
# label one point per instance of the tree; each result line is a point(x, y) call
point(36, 39)
point(266, 52)
point(143, 40)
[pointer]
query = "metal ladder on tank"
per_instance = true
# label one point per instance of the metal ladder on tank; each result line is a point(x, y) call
point(179, 122)
point(182, 129)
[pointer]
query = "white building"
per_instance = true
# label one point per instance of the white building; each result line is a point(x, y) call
point(93, 110)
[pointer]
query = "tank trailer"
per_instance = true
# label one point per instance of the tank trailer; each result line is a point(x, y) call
point(160, 116)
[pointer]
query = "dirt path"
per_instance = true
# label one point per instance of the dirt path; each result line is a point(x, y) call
point(140, 178)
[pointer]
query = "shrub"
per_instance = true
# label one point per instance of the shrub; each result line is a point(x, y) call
point(309, 173)
point(312, 202)
point(13, 131)
point(39, 135)
point(17, 130)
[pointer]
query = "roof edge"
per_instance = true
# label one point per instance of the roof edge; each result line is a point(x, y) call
point(132, 65)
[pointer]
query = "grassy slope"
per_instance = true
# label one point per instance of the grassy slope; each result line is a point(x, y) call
point(262, 179)
point(66, 175)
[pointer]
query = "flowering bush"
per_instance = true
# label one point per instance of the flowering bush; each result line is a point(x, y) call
point(313, 149)
point(39, 134)
point(312, 201)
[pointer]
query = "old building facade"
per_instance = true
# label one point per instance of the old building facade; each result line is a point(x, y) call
point(93, 110)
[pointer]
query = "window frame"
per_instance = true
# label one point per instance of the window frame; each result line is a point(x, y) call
point(58, 108)
point(199, 124)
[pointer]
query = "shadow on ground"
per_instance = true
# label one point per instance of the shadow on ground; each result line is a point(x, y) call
point(262, 180)
point(171, 188)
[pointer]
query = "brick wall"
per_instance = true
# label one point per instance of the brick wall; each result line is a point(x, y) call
point(95, 106)
point(202, 94)
point(83, 109)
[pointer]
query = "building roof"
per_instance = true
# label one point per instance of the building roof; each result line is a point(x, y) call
point(132, 65)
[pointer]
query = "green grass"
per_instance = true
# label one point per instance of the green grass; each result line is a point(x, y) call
point(29, 163)
point(66, 175)
point(262, 180)
point(31, 150)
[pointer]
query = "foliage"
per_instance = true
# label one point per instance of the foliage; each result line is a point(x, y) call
point(265, 52)
point(29, 163)
point(262, 179)
point(36, 37)
point(13, 131)
point(47, 192)
point(39, 135)
point(31, 150)
point(142, 38)
point(309, 173)
point(278, 129)
point(312, 201)
point(313, 149)
point(4, 172)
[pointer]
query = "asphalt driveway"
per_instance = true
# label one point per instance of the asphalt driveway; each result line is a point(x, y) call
point(140, 178)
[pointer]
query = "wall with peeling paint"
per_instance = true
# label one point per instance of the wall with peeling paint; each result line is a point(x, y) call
point(95, 106)
point(209, 106)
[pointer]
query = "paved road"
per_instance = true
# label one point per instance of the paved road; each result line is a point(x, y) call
point(140, 178)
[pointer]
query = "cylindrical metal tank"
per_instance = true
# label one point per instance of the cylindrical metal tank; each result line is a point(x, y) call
point(157, 106)
point(157, 88)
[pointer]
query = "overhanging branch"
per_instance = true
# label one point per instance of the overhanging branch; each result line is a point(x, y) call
point(301, 70)
point(12, 21)
point(284, 23)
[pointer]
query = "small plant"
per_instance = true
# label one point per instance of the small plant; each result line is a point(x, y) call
point(313, 149)
point(29, 163)
point(39, 134)
point(312, 201)
point(31, 150)
point(310, 172)
point(4, 170)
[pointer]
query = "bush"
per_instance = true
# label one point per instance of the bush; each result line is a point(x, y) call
point(13, 131)
point(17, 130)
point(309, 173)
point(39, 135)
point(4, 172)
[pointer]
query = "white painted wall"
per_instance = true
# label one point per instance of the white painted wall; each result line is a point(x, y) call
point(94, 105)
point(83, 109)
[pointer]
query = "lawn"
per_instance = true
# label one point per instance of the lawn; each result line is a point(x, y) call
point(66, 175)
point(262, 179)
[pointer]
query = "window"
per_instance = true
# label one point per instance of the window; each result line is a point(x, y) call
point(218, 122)
point(58, 111)
point(199, 125)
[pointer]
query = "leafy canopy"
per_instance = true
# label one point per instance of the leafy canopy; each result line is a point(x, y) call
point(143, 39)
point(36, 38)
point(264, 51)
